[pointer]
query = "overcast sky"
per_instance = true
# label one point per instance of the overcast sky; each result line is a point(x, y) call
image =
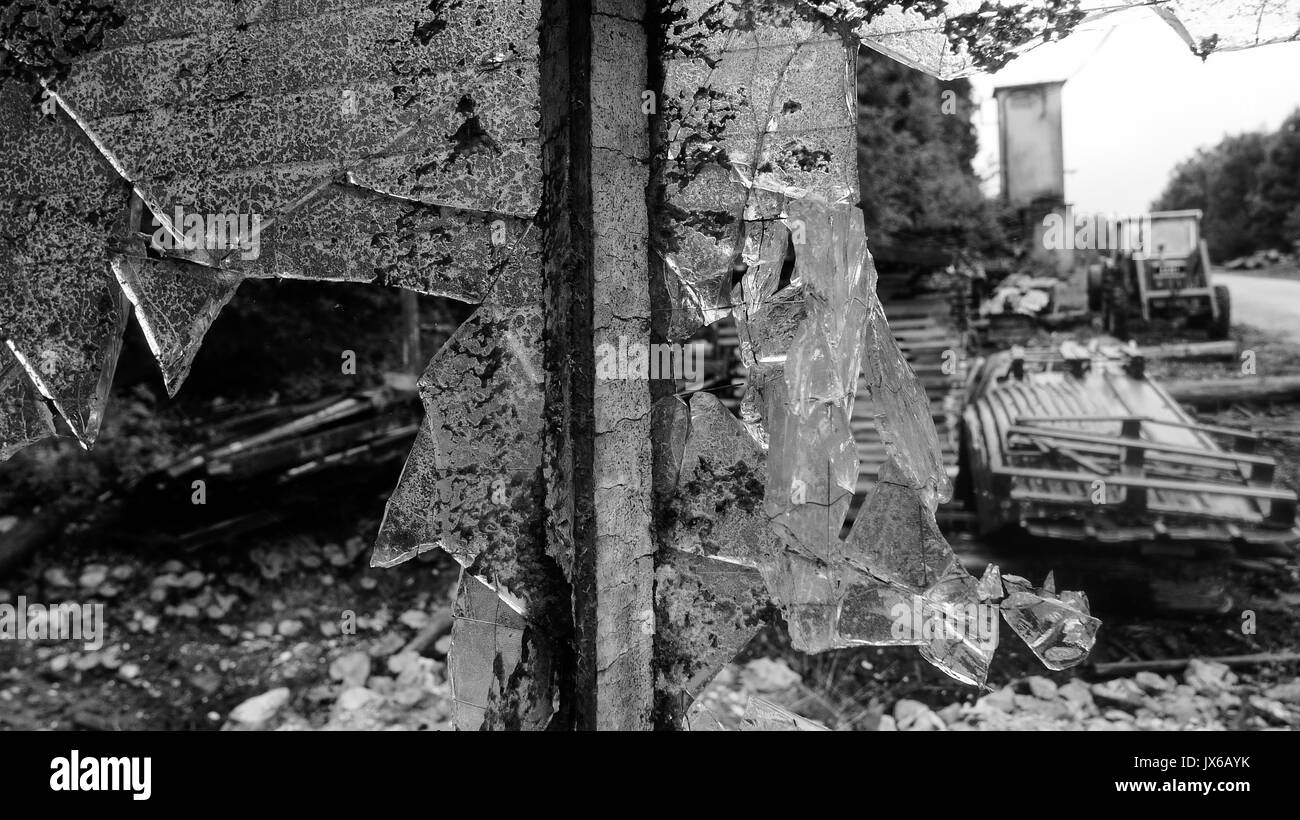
point(1137, 101)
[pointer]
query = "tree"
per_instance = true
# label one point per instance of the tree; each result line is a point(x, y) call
point(1278, 203)
point(1248, 187)
point(916, 146)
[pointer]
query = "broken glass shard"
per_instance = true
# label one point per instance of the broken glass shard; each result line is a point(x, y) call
point(964, 631)
point(435, 116)
point(175, 304)
point(911, 589)
point(700, 717)
point(808, 591)
point(764, 716)
point(24, 417)
point(895, 537)
point(1058, 628)
point(61, 312)
point(753, 116)
point(412, 518)
point(715, 507)
point(812, 472)
point(487, 642)
point(705, 612)
point(990, 585)
point(768, 330)
point(670, 423)
point(902, 408)
point(468, 482)
point(763, 255)
point(921, 41)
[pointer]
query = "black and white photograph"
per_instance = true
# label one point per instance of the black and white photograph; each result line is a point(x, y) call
point(650, 366)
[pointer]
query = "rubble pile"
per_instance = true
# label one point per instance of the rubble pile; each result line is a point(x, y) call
point(1206, 696)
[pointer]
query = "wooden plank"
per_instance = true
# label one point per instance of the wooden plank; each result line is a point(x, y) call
point(1192, 350)
point(1209, 392)
point(1175, 664)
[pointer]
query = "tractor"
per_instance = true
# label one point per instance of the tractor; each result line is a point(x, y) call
point(1160, 270)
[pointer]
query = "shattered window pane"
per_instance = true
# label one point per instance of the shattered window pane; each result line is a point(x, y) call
point(758, 104)
point(1204, 25)
point(894, 580)
point(487, 643)
point(175, 304)
point(24, 418)
point(395, 144)
point(61, 312)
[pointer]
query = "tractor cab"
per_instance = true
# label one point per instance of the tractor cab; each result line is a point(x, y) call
point(1160, 270)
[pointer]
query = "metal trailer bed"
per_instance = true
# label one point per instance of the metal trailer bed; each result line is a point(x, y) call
point(1078, 444)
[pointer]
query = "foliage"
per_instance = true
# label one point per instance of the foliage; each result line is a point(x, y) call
point(1248, 187)
point(136, 439)
point(916, 146)
point(990, 34)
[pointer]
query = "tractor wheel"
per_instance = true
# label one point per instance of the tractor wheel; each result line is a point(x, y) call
point(1220, 327)
point(1096, 287)
point(1115, 310)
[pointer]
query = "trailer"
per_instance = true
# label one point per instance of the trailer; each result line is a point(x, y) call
point(1078, 445)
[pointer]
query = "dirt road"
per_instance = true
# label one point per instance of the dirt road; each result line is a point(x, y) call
point(1270, 304)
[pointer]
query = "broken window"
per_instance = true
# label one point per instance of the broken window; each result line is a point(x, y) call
point(404, 145)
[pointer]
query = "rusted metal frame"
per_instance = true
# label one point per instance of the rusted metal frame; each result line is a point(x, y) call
point(1154, 460)
point(1117, 535)
point(1132, 463)
point(1262, 477)
point(1142, 288)
point(1282, 506)
point(1052, 501)
point(1177, 294)
point(1168, 403)
point(1078, 458)
point(1243, 436)
point(1129, 441)
point(1154, 465)
point(1203, 253)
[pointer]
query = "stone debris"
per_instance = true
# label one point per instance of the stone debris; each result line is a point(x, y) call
point(768, 675)
point(1033, 703)
point(258, 711)
point(914, 716)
